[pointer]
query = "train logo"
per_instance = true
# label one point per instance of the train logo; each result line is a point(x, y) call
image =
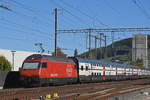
point(69, 70)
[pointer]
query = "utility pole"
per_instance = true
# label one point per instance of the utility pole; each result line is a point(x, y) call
point(89, 43)
point(86, 40)
point(112, 36)
point(101, 34)
point(95, 47)
point(55, 31)
point(112, 46)
point(105, 46)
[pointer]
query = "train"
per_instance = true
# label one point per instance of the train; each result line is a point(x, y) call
point(38, 69)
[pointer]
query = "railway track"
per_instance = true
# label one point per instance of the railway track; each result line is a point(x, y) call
point(91, 91)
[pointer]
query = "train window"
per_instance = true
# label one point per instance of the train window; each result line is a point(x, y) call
point(44, 65)
point(86, 68)
point(81, 67)
point(31, 65)
point(92, 74)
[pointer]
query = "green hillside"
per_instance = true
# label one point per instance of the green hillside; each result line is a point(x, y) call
point(121, 52)
point(122, 47)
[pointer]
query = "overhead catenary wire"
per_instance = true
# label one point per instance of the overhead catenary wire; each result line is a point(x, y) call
point(27, 16)
point(31, 9)
point(6, 22)
point(39, 35)
point(141, 8)
point(78, 18)
point(70, 13)
point(24, 26)
point(31, 34)
point(73, 15)
point(15, 26)
point(109, 5)
point(35, 30)
point(23, 40)
point(26, 7)
point(85, 14)
point(18, 39)
point(46, 23)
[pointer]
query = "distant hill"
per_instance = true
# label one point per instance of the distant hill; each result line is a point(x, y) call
point(121, 51)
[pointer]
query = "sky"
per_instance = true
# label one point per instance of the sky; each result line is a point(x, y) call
point(32, 21)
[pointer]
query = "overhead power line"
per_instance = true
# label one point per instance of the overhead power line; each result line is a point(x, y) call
point(27, 27)
point(73, 15)
point(141, 8)
point(22, 31)
point(29, 8)
point(83, 13)
point(18, 39)
point(4, 7)
point(23, 6)
point(109, 5)
point(78, 18)
point(46, 23)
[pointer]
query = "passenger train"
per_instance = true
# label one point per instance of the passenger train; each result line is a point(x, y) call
point(40, 69)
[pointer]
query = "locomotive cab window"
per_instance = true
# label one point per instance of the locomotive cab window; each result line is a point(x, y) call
point(44, 65)
point(30, 65)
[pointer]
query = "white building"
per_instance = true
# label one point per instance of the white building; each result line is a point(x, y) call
point(18, 58)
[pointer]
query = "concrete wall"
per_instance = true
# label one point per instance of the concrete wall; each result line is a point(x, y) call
point(3, 75)
point(140, 48)
point(9, 79)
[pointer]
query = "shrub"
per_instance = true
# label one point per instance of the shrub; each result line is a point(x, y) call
point(4, 64)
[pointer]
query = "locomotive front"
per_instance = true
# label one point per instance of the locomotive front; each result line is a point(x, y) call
point(30, 70)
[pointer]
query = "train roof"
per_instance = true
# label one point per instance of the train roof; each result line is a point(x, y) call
point(106, 63)
point(48, 58)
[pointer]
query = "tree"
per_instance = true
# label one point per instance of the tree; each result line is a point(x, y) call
point(4, 64)
point(59, 53)
point(75, 52)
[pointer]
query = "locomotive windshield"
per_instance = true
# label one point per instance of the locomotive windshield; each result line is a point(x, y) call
point(31, 65)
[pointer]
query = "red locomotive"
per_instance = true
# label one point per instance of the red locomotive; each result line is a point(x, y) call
point(44, 69)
